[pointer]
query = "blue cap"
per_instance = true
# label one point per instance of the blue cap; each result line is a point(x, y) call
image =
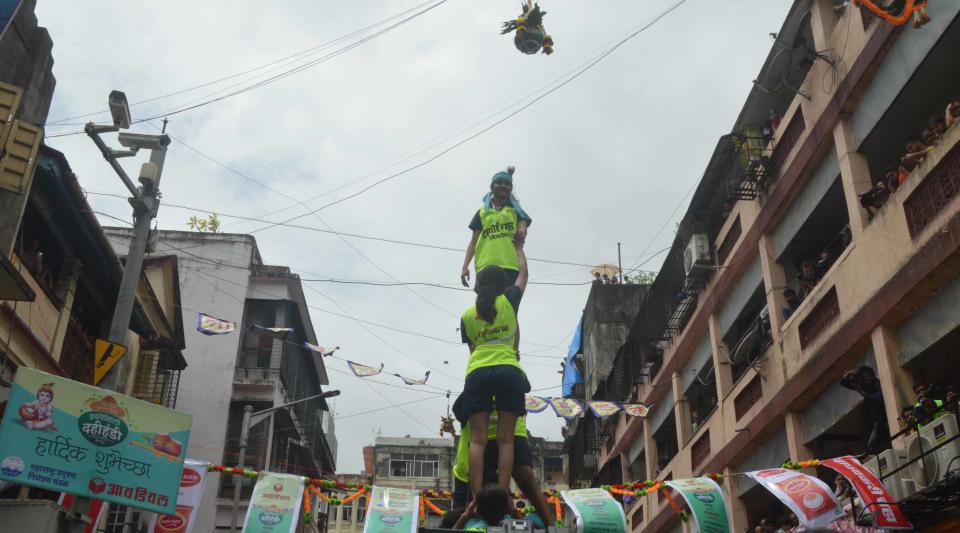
point(505, 176)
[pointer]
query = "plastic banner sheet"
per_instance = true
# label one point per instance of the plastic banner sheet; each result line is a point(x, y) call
point(392, 511)
point(603, 409)
point(275, 504)
point(874, 497)
point(363, 371)
point(566, 407)
point(596, 511)
point(535, 404)
point(705, 500)
point(208, 325)
point(66, 436)
point(192, 481)
point(636, 409)
point(808, 497)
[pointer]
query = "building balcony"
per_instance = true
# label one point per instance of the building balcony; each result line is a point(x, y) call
point(42, 315)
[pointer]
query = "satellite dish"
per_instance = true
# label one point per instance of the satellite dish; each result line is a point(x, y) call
point(746, 345)
point(706, 376)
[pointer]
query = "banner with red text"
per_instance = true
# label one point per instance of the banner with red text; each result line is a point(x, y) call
point(275, 504)
point(876, 500)
point(808, 497)
point(192, 480)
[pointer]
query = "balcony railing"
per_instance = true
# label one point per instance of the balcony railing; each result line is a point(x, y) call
point(156, 385)
point(934, 193)
point(255, 374)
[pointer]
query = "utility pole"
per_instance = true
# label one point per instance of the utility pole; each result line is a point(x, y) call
point(251, 418)
point(619, 263)
point(145, 201)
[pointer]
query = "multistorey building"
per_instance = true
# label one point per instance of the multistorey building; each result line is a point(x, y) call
point(737, 377)
point(223, 276)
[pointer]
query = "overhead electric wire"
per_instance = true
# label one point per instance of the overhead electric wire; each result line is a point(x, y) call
point(456, 145)
point(307, 51)
point(343, 233)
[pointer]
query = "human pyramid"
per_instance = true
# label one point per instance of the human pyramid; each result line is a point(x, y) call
point(493, 445)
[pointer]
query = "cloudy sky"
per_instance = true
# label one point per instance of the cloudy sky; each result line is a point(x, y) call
point(607, 158)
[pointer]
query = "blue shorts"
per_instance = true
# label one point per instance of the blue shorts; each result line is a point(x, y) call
point(461, 493)
point(499, 387)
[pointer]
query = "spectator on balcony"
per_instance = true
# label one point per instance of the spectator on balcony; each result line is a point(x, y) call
point(597, 280)
point(824, 262)
point(33, 257)
point(952, 113)
point(793, 302)
point(907, 420)
point(808, 277)
point(864, 381)
point(874, 198)
point(606, 279)
point(694, 422)
point(936, 126)
point(916, 151)
point(770, 126)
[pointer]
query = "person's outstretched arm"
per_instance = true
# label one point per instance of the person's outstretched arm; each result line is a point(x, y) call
point(523, 273)
point(471, 249)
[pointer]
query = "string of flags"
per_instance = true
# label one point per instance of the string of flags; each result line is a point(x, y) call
point(209, 325)
point(700, 500)
point(570, 408)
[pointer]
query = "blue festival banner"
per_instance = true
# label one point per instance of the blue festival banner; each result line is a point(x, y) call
point(66, 436)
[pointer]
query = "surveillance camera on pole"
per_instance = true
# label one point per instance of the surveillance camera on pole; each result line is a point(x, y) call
point(119, 109)
point(141, 140)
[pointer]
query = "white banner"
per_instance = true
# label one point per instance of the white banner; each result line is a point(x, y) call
point(192, 480)
point(809, 498)
point(275, 504)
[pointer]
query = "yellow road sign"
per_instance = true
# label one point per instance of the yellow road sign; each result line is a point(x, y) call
point(105, 355)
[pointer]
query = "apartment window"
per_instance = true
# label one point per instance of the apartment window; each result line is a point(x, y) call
point(553, 465)
point(361, 508)
point(414, 465)
point(121, 519)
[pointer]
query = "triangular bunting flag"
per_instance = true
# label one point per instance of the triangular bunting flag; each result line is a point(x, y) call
point(276, 333)
point(603, 409)
point(208, 325)
point(363, 371)
point(421, 381)
point(535, 404)
point(636, 409)
point(320, 349)
point(566, 407)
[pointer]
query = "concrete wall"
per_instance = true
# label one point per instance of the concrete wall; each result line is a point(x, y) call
point(216, 286)
point(26, 62)
point(607, 318)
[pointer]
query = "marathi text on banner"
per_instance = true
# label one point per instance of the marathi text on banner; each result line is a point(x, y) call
point(192, 481)
point(596, 511)
point(71, 437)
point(705, 500)
point(392, 511)
point(876, 500)
point(275, 504)
point(808, 497)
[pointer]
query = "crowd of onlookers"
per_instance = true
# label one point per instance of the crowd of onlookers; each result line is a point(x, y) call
point(604, 279)
point(811, 272)
point(915, 151)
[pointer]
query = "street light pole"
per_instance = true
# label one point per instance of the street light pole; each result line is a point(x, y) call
point(251, 418)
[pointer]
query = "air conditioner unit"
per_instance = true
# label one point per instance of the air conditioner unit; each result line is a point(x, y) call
point(899, 485)
point(933, 468)
point(697, 259)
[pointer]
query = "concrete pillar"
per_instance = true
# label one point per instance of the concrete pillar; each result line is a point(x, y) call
point(721, 366)
point(775, 282)
point(681, 411)
point(66, 290)
point(895, 382)
point(798, 450)
point(738, 512)
point(822, 20)
point(854, 174)
point(650, 450)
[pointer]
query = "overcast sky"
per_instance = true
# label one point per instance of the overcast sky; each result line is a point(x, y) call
point(604, 159)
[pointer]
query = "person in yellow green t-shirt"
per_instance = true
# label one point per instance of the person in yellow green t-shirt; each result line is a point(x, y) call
point(499, 227)
point(522, 465)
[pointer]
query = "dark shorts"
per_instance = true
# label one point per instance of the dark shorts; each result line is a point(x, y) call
point(498, 387)
point(521, 456)
point(461, 492)
point(512, 276)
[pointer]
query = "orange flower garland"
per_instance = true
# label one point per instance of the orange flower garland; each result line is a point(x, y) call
point(898, 20)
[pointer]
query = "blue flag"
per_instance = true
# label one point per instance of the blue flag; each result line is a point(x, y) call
point(571, 376)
